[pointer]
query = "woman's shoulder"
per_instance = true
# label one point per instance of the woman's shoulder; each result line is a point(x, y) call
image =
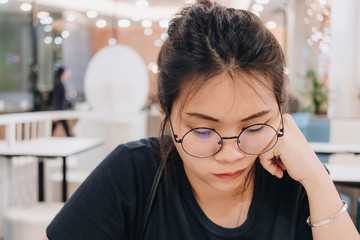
point(136, 155)
point(115, 192)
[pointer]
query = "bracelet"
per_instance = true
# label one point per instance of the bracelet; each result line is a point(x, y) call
point(330, 219)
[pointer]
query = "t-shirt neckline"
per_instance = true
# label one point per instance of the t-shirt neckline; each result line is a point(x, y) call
point(215, 228)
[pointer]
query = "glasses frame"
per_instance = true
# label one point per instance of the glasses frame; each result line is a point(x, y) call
point(278, 134)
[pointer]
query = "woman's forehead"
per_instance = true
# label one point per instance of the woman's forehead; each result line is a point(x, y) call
point(224, 93)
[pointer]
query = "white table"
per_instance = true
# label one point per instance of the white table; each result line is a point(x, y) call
point(344, 173)
point(50, 148)
point(331, 148)
point(340, 172)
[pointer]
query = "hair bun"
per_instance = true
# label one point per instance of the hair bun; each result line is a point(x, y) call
point(206, 3)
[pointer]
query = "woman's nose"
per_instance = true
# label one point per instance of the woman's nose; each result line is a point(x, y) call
point(229, 151)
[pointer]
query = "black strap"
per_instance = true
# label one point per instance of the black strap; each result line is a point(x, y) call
point(150, 200)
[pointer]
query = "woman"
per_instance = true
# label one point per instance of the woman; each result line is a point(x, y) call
point(235, 166)
point(58, 98)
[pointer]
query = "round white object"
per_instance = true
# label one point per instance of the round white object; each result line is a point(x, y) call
point(116, 80)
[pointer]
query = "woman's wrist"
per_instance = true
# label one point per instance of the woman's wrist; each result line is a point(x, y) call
point(316, 175)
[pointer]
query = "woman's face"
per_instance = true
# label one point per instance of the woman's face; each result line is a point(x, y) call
point(226, 105)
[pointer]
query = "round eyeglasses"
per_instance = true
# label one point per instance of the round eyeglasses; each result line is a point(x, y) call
point(204, 142)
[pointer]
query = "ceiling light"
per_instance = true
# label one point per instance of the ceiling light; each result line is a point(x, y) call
point(164, 23)
point(164, 36)
point(101, 23)
point(135, 18)
point(47, 40)
point(41, 15)
point(148, 31)
point(25, 7)
point(256, 13)
point(4, 1)
point(112, 41)
point(146, 23)
point(48, 28)
point(47, 20)
point(257, 7)
point(153, 67)
point(70, 17)
point(65, 34)
point(320, 17)
point(271, 24)
point(58, 40)
point(262, 1)
point(158, 42)
point(91, 14)
point(124, 23)
point(141, 3)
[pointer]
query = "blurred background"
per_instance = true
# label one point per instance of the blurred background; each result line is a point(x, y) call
point(109, 50)
point(37, 36)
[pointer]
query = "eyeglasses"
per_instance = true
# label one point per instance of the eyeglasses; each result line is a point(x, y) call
point(205, 142)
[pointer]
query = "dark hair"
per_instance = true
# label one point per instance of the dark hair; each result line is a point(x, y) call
point(58, 72)
point(205, 40)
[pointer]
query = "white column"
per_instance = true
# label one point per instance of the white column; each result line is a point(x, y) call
point(296, 59)
point(344, 77)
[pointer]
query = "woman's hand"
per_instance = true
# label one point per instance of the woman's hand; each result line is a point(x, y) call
point(292, 153)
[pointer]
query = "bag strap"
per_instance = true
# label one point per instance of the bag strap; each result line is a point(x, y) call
point(150, 201)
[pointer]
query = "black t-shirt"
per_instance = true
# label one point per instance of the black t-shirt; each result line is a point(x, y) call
point(111, 202)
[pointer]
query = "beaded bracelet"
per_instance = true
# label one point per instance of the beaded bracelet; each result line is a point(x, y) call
point(330, 219)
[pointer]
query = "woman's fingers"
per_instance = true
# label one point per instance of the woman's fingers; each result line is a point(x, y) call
point(273, 165)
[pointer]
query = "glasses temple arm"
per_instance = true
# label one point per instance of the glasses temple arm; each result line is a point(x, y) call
point(282, 124)
point(172, 131)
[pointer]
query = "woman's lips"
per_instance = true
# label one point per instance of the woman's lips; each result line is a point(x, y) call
point(230, 175)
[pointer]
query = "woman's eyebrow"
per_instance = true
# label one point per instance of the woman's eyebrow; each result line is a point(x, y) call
point(206, 117)
point(256, 115)
point(202, 116)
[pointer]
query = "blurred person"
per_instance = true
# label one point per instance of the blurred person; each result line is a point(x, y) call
point(234, 165)
point(58, 97)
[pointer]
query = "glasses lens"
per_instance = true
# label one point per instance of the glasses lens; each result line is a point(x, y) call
point(201, 142)
point(257, 139)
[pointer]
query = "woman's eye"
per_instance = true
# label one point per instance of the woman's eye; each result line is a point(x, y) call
point(255, 129)
point(202, 132)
